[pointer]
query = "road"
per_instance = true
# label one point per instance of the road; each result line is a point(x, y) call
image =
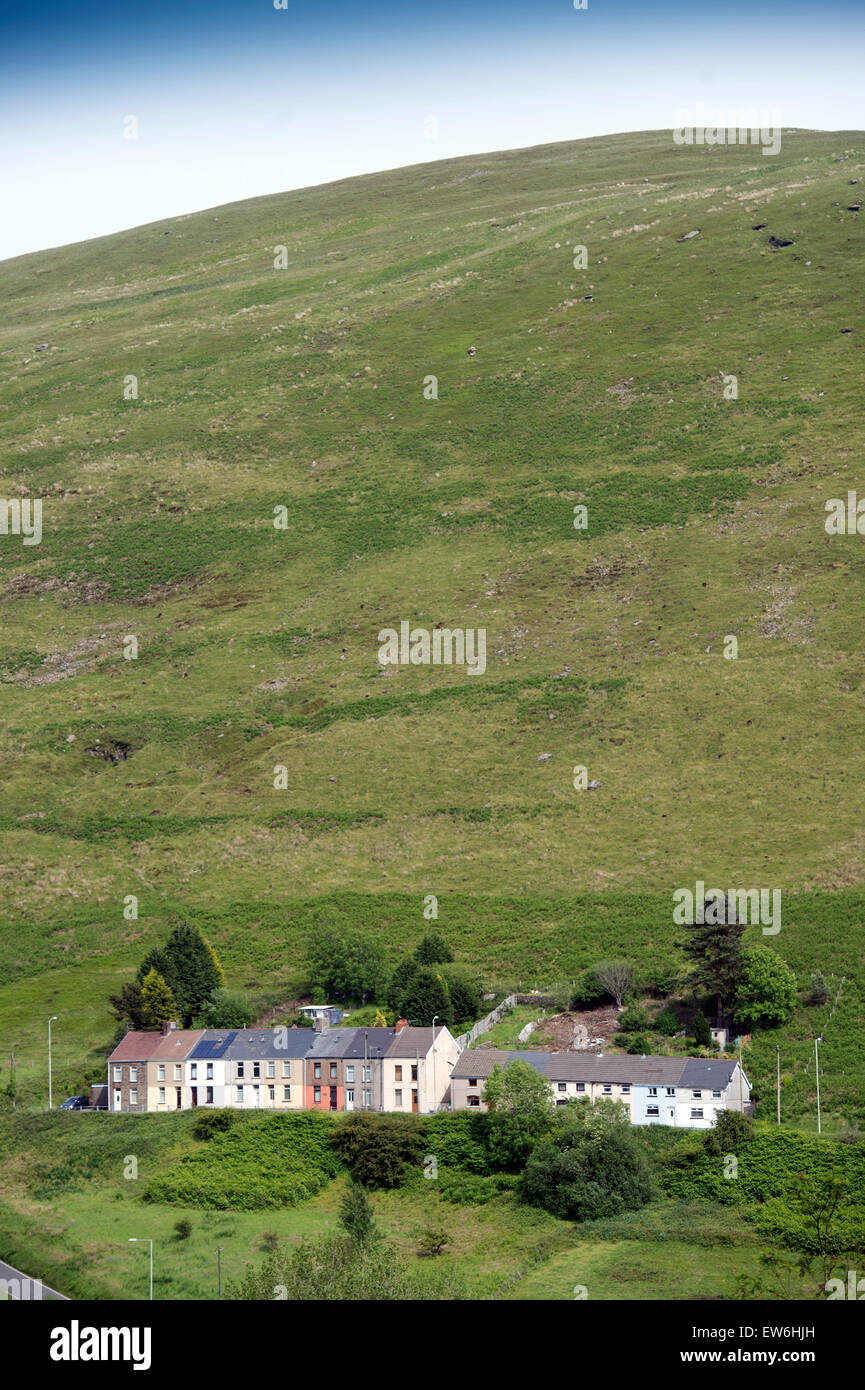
point(14, 1284)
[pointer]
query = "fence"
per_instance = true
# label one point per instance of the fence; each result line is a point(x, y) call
point(485, 1024)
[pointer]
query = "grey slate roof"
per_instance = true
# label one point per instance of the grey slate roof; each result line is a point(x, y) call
point(254, 1044)
point(711, 1073)
point(338, 1043)
point(584, 1066)
point(479, 1061)
point(411, 1041)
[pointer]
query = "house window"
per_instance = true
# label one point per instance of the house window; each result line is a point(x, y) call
point(316, 1095)
point(209, 1076)
point(349, 1073)
point(286, 1093)
point(367, 1073)
point(160, 1072)
point(367, 1099)
point(653, 1090)
point(271, 1093)
point(563, 1085)
point(716, 1095)
point(671, 1090)
point(118, 1073)
point(193, 1071)
point(651, 1110)
point(333, 1071)
point(316, 1070)
point(561, 1102)
point(626, 1090)
point(271, 1069)
point(414, 1073)
point(581, 1085)
point(608, 1090)
point(208, 1098)
point(473, 1081)
point(162, 1095)
point(286, 1068)
point(178, 1072)
point(240, 1070)
point(256, 1069)
point(696, 1112)
point(697, 1095)
point(397, 1075)
point(397, 1097)
point(474, 1102)
point(240, 1095)
point(133, 1073)
point(133, 1096)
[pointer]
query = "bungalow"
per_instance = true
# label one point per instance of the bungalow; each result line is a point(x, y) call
point(417, 1069)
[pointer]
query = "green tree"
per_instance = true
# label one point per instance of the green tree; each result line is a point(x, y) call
point(634, 1020)
point(345, 964)
point(427, 997)
point(616, 978)
point(157, 1001)
point(818, 990)
point(335, 1269)
point(593, 1167)
point(433, 1240)
point(379, 1149)
point(399, 982)
point(638, 1045)
point(466, 991)
point(9, 1093)
point(702, 1031)
point(714, 949)
point(433, 950)
point(520, 1111)
point(666, 1022)
point(183, 1228)
point(226, 1008)
point(127, 1006)
point(730, 1132)
point(189, 967)
point(356, 1215)
point(766, 994)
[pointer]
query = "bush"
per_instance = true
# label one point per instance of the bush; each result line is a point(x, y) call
point(702, 1031)
point(666, 1022)
point(818, 991)
point(433, 950)
point(634, 1019)
point(210, 1122)
point(638, 1046)
point(433, 1240)
point(379, 1149)
point(766, 993)
point(226, 1008)
point(356, 1215)
point(270, 1241)
point(335, 1269)
point(183, 1228)
point(458, 1141)
point(593, 1168)
point(588, 993)
point(730, 1132)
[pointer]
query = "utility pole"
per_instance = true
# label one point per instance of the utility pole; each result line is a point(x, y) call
point(52, 1019)
point(778, 1078)
point(817, 1070)
point(434, 1096)
point(219, 1268)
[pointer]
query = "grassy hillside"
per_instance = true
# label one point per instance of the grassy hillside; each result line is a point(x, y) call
point(303, 387)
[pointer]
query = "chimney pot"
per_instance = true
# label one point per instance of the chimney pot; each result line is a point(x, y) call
point(401, 1023)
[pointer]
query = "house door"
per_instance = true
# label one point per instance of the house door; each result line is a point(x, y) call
point(349, 1100)
point(117, 1100)
point(414, 1102)
point(672, 1115)
point(178, 1089)
point(194, 1095)
point(332, 1097)
point(256, 1096)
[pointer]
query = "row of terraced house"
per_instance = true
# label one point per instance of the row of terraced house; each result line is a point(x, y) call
point(401, 1069)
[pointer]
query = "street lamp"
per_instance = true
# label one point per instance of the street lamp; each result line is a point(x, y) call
point(52, 1019)
point(143, 1239)
point(817, 1071)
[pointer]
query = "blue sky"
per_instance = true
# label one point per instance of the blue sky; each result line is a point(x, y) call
point(235, 98)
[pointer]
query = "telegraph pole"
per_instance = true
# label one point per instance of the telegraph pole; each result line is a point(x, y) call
point(778, 1079)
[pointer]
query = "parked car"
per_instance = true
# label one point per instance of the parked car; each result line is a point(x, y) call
point(76, 1103)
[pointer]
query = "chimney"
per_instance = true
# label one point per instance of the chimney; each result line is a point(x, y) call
point(319, 1023)
point(168, 1028)
point(401, 1023)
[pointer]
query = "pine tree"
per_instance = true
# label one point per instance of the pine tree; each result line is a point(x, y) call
point(428, 997)
point(715, 950)
point(433, 949)
point(702, 1031)
point(157, 1001)
point(190, 970)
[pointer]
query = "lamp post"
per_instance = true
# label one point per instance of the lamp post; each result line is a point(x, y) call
point(52, 1019)
point(219, 1268)
point(434, 1098)
point(817, 1072)
point(144, 1240)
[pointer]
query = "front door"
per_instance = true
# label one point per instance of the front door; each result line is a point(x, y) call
point(333, 1097)
point(178, 1089)
point(414, 1101)
point(117, 1100)
point(194, 1095)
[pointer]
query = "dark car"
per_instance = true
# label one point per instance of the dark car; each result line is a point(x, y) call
point(76, 1103)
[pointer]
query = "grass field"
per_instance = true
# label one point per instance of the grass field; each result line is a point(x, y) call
point(307, 389)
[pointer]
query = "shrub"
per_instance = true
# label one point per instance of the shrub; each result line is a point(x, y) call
point(226, 1008)
point(666, 1022)
point(433, 1240)
point(638, 1046)
point(335, 1269)
point(433, 949)
point(767, 988)
point(183, 1228)
point(702, 1031)
point(269, 1241)
point(593, 1168)
point(818, 991)
point(730, 1132)
point(588, 993)
point(210, 1122)
point(379, 1148)
point(634, 1020)
point(356, 1215)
